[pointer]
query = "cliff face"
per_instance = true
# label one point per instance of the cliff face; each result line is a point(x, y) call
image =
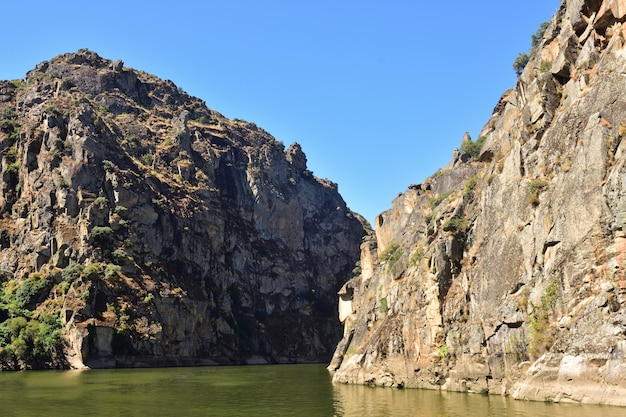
point(161, 231)
point(505, 273)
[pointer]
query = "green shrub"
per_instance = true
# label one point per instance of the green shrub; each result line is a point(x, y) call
point(473, 148)
point(31, 289)
point(93, 271)
point(539, 34)
point(101, 202)
point(389, 251)
point(416, 256)
point(443, 352)
point(101, 233)
point(52, 110)
point(535, 187)
point(62, 182)
point(67, 83)
point(108, 165)
point(119, 255)
point(111, 272)
point(19, 84)
point(11, 152)
point(203, 120)
point(71, 272)
point(8, 121)
point(393, 260)
point(520, 63)
point(436, 200)
point(470, 185)
point(13, 168)
point(457, 226)
point(383, 307)
point(522, 59)
point(542, 333)
point(146, 159)
point(33, 340)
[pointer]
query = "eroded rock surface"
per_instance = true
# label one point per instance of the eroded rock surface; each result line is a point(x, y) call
point(164, 233)
point(505, 273)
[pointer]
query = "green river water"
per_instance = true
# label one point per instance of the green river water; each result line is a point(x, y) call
point(282, 390)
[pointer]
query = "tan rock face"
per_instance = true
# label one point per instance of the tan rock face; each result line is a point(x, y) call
point(506, 272)
point(195, 239)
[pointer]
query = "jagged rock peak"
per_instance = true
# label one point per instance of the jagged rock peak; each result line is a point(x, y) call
point(139, 227)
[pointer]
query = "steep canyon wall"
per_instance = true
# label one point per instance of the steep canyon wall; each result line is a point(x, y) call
point(504, 271)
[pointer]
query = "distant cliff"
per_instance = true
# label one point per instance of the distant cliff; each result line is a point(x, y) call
point(505, 271)
point(138, 227)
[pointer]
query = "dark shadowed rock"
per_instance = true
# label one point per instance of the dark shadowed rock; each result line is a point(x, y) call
point(169, 234)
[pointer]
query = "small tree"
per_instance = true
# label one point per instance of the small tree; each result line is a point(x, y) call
point(538, 36)
point(520, 63)
point(522, 59)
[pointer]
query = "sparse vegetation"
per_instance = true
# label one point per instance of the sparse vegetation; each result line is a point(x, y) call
point(416, 256)
point(111, 272)
point(516, 346)
point(542, 334)
point(539, 34)
point(67, 83)
point(383, 306)
point(72, 272)
point(101, 233)
point(520, 63)
point(522, 59)
point(443, 352)
point(148, 298)
point(436, 200)
point(457, 226)
point(62, 182)
point(147, 159)
point(108, 165)
point(535, 187)
point(13, 168)
point(470, 186)
point(545, 66)
point(204, 120)
point(101, 202)
point(473, 148)
point(391, 255)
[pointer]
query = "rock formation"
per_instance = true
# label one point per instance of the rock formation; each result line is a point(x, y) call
point(138, 227)
point(505, 271)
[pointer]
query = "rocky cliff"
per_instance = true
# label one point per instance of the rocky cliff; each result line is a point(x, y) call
point(505, 271)
point(138, 227)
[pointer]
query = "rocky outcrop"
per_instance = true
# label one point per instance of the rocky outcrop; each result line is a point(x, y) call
point(504, 272)
point(162, 232)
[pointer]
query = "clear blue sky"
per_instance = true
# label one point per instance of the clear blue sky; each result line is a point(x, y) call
point(378, 93)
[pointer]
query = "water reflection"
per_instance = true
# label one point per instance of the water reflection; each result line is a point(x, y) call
point(294, 390)
point(363, 401)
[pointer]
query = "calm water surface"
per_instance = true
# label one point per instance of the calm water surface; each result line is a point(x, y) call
point(287, 390)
